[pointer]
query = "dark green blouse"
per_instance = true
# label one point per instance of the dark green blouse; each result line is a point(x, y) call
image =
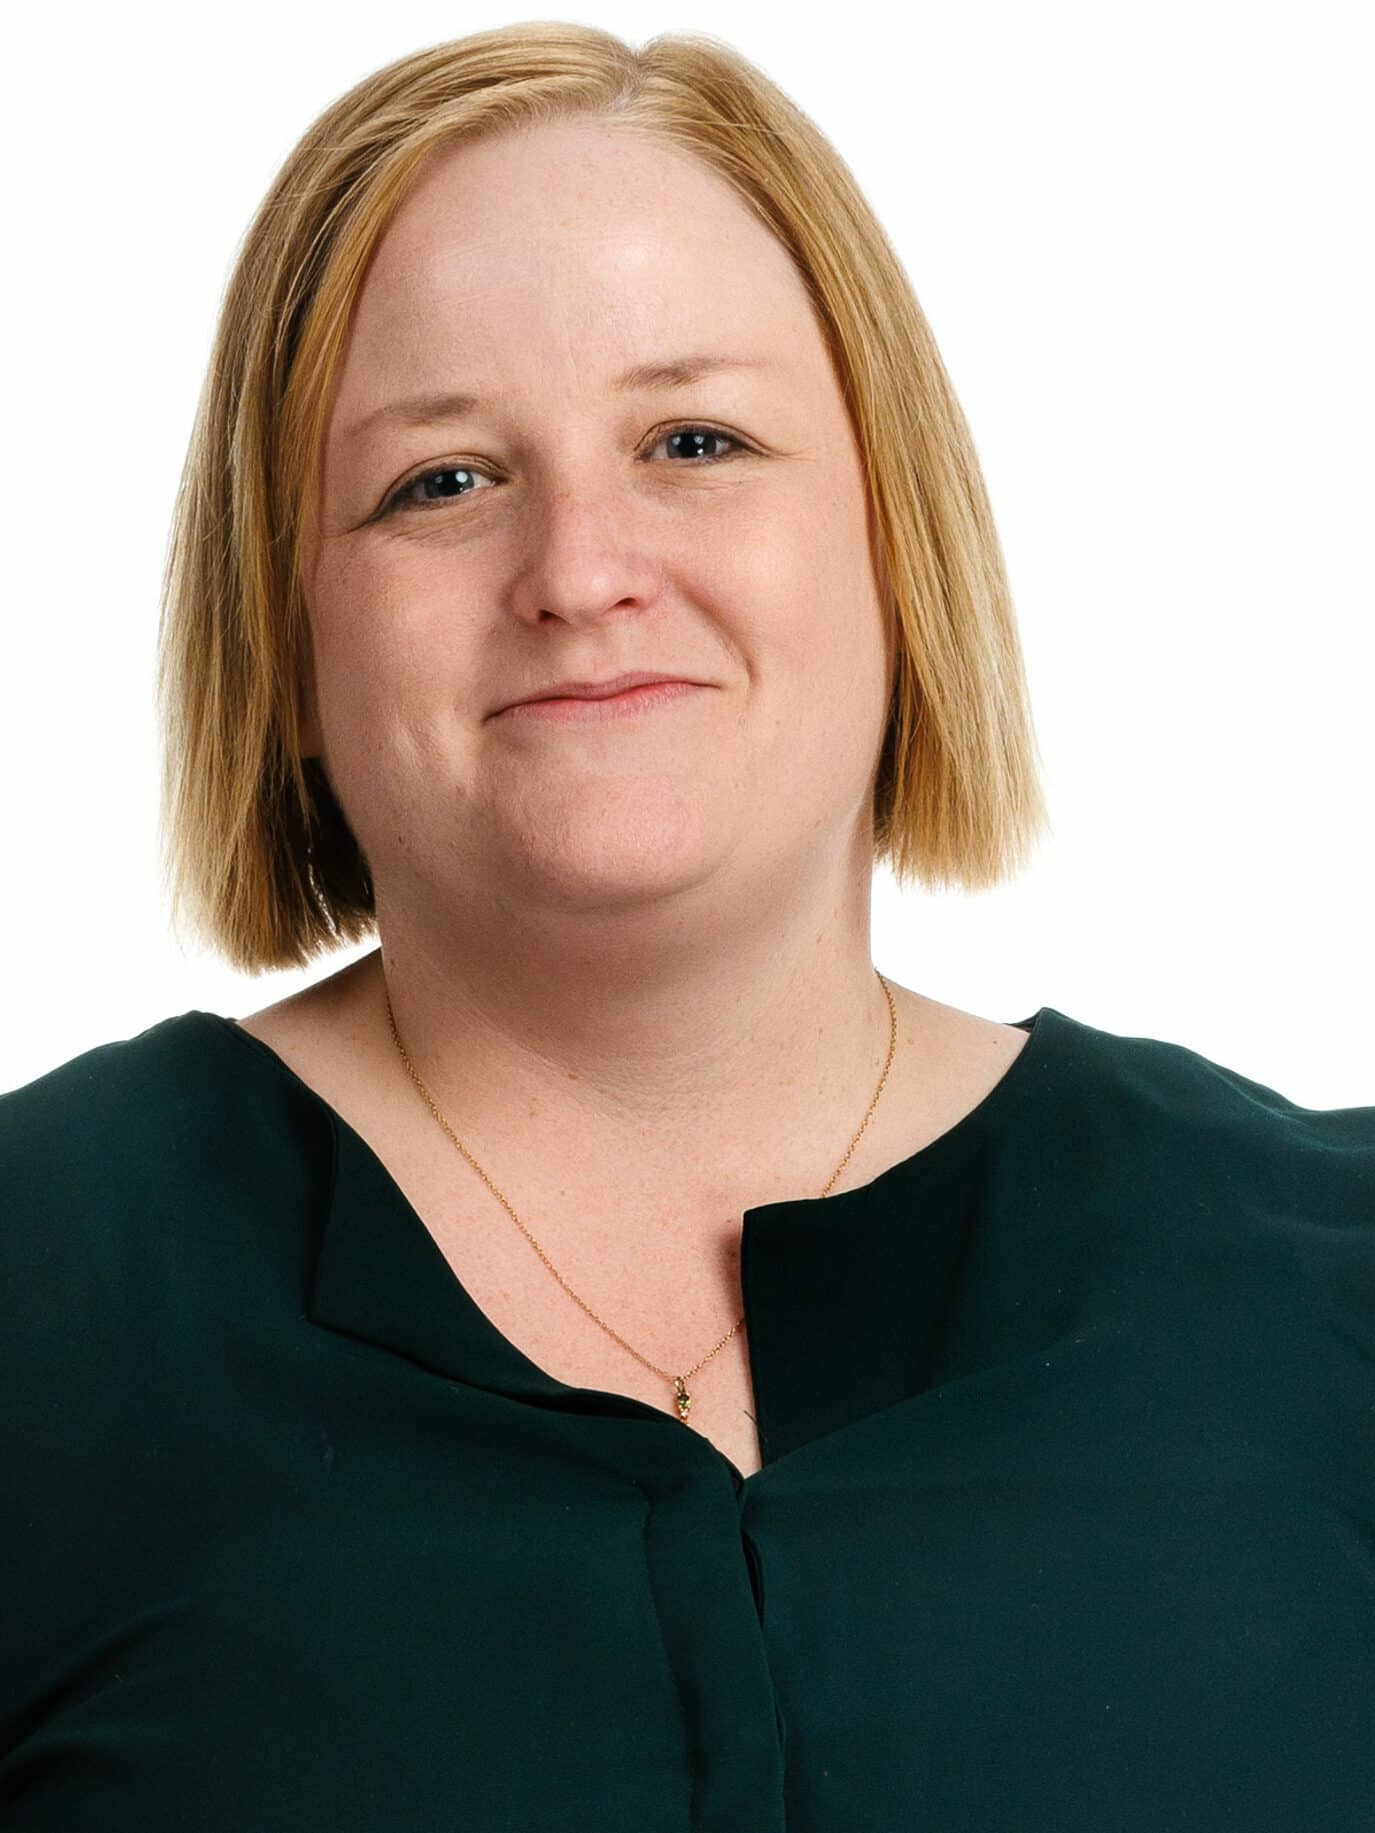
point(1066, 1521)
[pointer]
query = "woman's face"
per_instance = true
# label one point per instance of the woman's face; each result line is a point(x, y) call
point(558, 524)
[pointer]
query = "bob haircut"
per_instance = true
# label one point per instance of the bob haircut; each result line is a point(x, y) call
point(257, 849)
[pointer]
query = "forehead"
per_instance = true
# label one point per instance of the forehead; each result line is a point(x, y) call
point(564, 239)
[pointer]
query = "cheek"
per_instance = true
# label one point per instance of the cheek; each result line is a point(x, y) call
point(384, 629)
point(833, 654)
point(343, 588)
point(823, 607)
point(780, 574)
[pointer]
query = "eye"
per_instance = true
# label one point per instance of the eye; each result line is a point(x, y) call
point(402, 501)
point(400, 498)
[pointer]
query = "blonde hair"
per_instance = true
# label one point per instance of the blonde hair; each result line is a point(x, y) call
point(257, 851)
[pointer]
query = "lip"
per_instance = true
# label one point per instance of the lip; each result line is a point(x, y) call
point(596, 690)
point(582, 709)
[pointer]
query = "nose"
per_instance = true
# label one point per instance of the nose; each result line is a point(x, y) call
point(586, 554)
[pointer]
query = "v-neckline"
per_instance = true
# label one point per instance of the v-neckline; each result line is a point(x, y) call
point(380, 1276)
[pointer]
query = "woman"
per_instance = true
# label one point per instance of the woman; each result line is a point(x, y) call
point(1027, 1369)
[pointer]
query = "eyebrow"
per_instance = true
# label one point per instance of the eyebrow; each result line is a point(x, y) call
point(676, 372)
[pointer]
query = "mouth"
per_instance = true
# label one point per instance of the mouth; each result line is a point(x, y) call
point(630, 703)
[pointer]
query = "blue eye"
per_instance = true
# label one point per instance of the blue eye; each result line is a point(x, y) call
point(398, 498)
point(694, 433)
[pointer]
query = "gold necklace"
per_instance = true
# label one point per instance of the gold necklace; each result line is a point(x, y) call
point(682, 1399)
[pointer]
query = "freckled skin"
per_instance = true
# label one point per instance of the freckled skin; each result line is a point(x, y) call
point(631, 956)
point(676, 905)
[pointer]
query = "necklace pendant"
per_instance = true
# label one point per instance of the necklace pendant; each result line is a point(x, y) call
point(682, 1399)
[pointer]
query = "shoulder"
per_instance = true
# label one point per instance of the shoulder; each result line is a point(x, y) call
point(85, 1150)
point(1199, 1192)
point(1167, 1074)
point(132, 1162)
point(83, 1145)
point(1185, 1120)
point(141, 1106)
point(94, 1127)
point(102, 1084)
point(158, 1198)
point(128, 1120)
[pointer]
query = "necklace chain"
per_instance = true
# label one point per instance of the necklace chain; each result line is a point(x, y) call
point(682, 1399)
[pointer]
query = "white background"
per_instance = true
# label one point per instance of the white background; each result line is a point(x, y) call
point(1141, 236)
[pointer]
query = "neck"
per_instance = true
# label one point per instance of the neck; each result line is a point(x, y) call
point(691, 1071)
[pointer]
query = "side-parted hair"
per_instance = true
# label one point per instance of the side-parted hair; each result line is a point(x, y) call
point(257, 851)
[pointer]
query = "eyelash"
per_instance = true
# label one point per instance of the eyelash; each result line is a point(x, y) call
point(396, 502)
